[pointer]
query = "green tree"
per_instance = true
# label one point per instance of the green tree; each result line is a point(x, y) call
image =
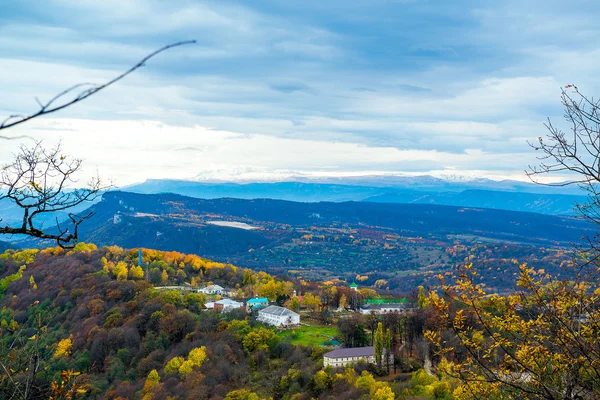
point(388, 348)
point(240, 328)
point(422, 300)
point(379, 344)
point(295, 303)
point(241, 394)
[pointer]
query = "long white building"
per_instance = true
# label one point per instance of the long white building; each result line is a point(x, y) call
point(278, 316)
point(342, 357)
point(385, 308)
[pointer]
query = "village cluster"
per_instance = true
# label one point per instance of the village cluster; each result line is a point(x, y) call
point(284, 318)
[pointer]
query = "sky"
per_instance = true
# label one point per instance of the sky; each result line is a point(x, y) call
point(274, 89)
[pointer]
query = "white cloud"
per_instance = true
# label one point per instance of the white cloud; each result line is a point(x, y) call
point(130, 151)
point(313, 88)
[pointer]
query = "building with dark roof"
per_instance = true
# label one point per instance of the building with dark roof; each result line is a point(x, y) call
point(342, 357)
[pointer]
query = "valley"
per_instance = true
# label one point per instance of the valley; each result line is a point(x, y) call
point(403, 245)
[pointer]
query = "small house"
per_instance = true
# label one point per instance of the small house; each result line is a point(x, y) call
point(227, 305)
point(258, 302)
point(212, 289)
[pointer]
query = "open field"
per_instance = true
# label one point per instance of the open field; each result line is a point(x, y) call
point(309, 335)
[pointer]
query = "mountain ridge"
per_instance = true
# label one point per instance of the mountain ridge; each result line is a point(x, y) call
point(546, 200)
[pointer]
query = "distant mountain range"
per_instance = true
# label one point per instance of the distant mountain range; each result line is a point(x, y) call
point(504, 195)
point(318, 240)
point(5, 246)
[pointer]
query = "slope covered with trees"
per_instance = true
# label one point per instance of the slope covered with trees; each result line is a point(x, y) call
point(85, 323)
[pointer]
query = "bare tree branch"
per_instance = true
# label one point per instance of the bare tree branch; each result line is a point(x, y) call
point(86, 90)
point(37, 181)
point(576, 153)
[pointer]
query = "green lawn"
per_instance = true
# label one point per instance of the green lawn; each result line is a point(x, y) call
point(309, 335)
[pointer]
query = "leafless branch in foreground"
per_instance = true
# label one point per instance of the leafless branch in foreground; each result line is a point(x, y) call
point(575, 153)
point(37, 181)
point(82, 91)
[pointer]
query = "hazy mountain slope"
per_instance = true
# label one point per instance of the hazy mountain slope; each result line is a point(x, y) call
point(529, 202)
point(505, 195)
point(5, 246)
point(293, 191)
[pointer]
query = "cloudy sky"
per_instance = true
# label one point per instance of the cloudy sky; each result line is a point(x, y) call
point(277, 88)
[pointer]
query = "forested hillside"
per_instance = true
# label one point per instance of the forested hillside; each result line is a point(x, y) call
point(98, 329)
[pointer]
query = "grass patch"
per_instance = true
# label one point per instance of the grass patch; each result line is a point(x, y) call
point(309, 335)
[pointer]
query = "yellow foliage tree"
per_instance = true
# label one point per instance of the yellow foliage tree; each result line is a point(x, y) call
point(173, 365)
point(82, 247)
point(343, 301)
point(136, 272)
point(311, 301)
point(381, 283)
point(540, 342)
point(185, 369)
point(197, 356)
point(152, 382)
point(120, 271)
point(242, 394)
point(164, 277)
point(294, 303)
point(63, 348)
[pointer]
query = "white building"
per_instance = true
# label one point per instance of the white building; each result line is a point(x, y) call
point(278, 316)
point(213, 289)
point(224, 305)
point(386, 308)
point(227, 305)
point(342, 357)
